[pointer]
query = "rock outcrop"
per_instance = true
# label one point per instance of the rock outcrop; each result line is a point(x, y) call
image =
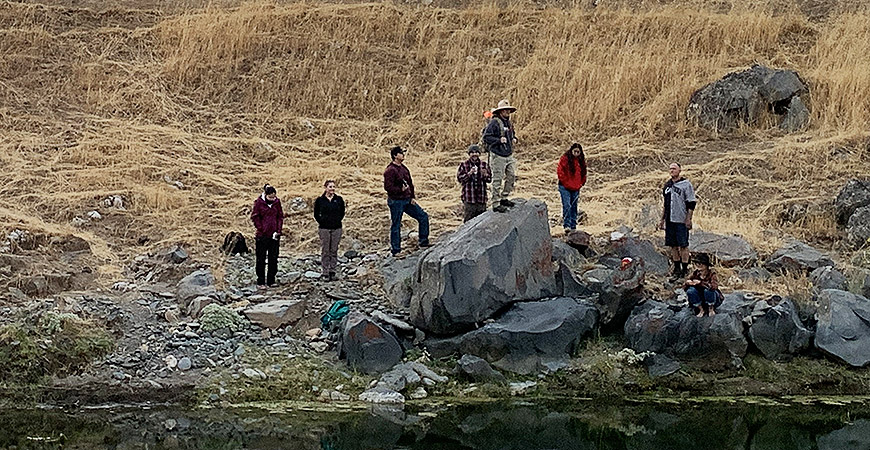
point(855, 194)
point(744, 97)
point(484, 266)
point(529, 337)
point(198, 284)
point(843, 328)
point(367, 346)
point(709, 343)
point(728, 251)
point(778, 333)
point(277, 313)
point(797, 257)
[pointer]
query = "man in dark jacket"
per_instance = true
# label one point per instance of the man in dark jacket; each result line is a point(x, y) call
point(268, 218)
point(500, 139)
point(473, 175)
point(401, 199)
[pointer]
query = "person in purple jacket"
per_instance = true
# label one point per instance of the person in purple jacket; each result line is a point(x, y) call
point(268, 218)
point(401, 199)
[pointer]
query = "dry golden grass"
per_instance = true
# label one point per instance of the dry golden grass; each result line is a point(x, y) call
point(226, 98)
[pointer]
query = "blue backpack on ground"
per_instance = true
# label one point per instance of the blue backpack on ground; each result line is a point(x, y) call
point(334, 314)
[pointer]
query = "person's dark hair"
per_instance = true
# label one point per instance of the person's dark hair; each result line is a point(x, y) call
point(702, 258)
point(581, 159)
point(395, 151)
point(268, 189)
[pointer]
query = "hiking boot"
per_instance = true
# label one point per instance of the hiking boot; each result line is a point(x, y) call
point(507, 203)
point(424, 245)
point(677, 273)
point(500, 208)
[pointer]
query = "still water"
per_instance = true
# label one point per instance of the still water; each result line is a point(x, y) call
point(502, 426)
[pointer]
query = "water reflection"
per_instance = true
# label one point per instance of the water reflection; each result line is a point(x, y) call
point(517, 425)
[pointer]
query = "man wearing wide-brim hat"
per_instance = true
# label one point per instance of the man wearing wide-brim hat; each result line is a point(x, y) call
point(500, 139)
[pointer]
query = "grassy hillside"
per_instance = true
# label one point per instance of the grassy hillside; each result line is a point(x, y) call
point(114, 98)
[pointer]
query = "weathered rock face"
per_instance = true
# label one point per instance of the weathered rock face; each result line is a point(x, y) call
point(797, 257)
point(742, 97)
point(779, 333)
point(855, 194)
point(562, 252)
point(398, 278)
point(708, 342)
point(858, 227)
point(277, 313)
point(529, 337)
point(618, 290)
point(729, 251)
point(843, 328)
point(635, 248)
point(828, 278)
point(477, 369)
point(482, 267)
point(197, 284)
point(579, 240)
point(368, 347)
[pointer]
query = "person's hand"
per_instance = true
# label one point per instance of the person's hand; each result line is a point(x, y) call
point(515, 140)
point(276, 235)
point(662, 224)
point(689, 224)
point(504, 140)
point(474, 169)
point(413, 202)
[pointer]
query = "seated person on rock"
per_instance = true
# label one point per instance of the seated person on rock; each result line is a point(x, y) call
point(702, 287)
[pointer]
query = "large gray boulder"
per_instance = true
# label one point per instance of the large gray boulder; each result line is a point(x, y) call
point(858, 227)
point(843, 328)
point(198, 284)
point(633, 247)
point(277, 313)
point(487, 264)
point(614, 292)
point(398, 276)
point(855, 194)
point(729, 251)
point(779, 333)
point(529, 337)
point(744, 97)
point(854, 436)
point(828, 278)
point(709, 343)
point(367, 346)
point(797, 257)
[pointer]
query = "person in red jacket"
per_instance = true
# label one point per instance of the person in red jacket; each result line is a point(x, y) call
point(572, 176)
point(268, 218)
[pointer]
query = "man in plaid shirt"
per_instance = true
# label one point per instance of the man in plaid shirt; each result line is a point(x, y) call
point(473, 175)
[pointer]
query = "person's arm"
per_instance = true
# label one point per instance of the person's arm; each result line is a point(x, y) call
point(341, 209)
point(411, 187)
point(662, 221)
point(492, 134)
point(561, 170)
point(583, 172)
point(487, 172)
point(691, 201)
point(713, 284)
point(462, 174)
point(392, 182)
point(256, 217)
point(318, 210)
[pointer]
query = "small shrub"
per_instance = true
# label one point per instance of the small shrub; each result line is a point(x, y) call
point(55, 344)
point(214, 317)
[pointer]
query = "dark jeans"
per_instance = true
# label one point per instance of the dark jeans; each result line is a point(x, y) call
point(267, 248)
point(711, 298)
point(569, 207)
point(473, 210)
point(399, 207)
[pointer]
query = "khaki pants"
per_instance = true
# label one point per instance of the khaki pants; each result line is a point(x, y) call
point(329, 240)
point(504, 170)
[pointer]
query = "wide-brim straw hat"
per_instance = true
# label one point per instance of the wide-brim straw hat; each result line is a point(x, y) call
point(503, 105)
